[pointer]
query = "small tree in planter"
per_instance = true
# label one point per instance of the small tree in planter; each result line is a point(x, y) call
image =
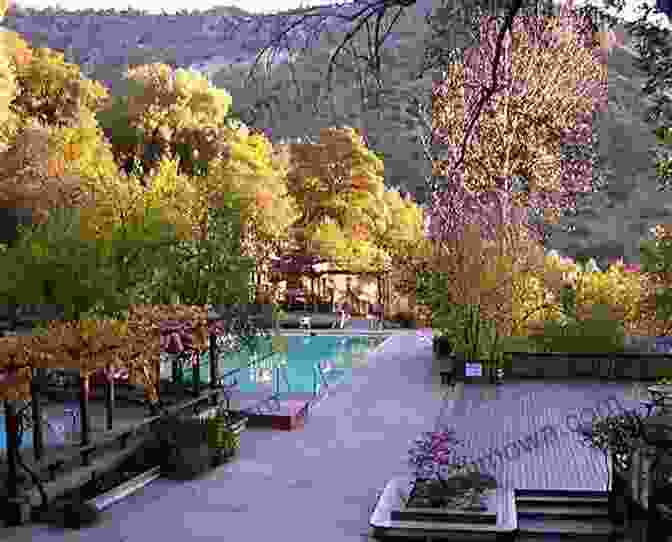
point(433, 453)
point(224, 430)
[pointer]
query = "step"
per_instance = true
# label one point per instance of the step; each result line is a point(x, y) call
point(561, 512)
point(555, 493)
point(561, 500)
point(530, 537)
point(77, 475)
point(597, 527)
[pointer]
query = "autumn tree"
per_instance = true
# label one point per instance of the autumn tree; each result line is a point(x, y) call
point(338, 187)
point(177, 115)
point(166, 113)
point(50, 148)
point(256, 172)
point(525, 120)
point(522, 123)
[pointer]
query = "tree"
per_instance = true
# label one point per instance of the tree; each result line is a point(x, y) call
point(522, 126)
point(370, 71)
point(338, 186)
point(654, 48)
point(56, 163)
point(166, 113)
point(54, 151)
point(210, 269)
point(52, 265)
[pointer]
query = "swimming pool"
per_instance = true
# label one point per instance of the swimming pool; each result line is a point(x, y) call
point(309, 364)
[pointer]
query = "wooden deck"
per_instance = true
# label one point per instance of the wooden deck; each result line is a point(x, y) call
point(525, 433)
point(61, 467)
point(59, 439)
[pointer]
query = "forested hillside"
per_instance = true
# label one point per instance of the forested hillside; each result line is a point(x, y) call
point(610, 224)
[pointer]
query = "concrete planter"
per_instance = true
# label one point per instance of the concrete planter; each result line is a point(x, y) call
point(476, 506)
point(446, 525)
point(484, 515)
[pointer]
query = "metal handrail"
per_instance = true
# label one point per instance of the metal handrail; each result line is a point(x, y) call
point(277, 380)
point(317, 370)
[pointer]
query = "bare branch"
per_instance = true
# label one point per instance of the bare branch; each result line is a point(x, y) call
point(489, 92)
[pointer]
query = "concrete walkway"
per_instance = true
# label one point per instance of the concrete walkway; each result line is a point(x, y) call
point(317, 483)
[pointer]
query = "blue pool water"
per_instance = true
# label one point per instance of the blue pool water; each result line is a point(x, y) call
point(307, 365)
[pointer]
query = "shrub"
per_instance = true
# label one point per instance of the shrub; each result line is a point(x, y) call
point(184, 444)
point(597, 334)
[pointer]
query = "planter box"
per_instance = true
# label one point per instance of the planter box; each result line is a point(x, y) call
point(451, 515)
point(465, 527)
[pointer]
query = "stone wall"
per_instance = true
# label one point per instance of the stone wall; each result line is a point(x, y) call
point(626, 366)
point(630, 366)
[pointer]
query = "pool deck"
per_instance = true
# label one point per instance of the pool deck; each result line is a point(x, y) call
point(320, 482)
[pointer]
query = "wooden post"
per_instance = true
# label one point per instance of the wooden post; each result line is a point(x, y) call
point(213, 361)
point(196, 371)
point(36, 406)
point(109, 398)
point(11, 428)
point(312, 292)
point(214, 368)
point(84, 409)
point(177, 374)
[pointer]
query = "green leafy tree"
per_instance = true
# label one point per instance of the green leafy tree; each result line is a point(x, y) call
point(52, 265)
point(210, 269)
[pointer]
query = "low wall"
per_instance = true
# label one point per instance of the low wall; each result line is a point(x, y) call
point(625, 366)
point(630, 366)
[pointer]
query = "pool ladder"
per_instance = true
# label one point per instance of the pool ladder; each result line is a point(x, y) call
point(276, 380)
point(272, 403)
point(320, 378)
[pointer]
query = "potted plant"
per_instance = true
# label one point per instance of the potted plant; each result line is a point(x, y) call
point(473, 338)
point(224, 429)
point(433, 453)
point(442, 345)
point(615, 436)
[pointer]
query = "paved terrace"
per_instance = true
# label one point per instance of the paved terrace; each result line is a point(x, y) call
point(320, 482)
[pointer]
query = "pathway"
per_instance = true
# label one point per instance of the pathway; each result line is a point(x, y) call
point(318, 483)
